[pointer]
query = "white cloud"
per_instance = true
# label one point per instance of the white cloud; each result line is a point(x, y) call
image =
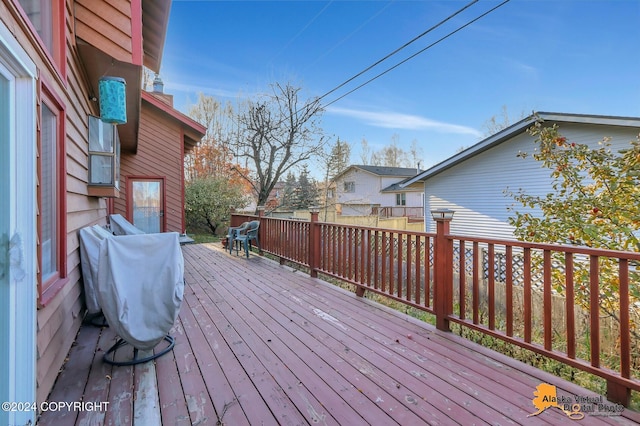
point(394, 120)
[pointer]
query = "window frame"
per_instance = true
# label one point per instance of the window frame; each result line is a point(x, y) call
point(57, 52)
point(49, 287)
point(401, 199)
point(349, 187)
point(104, 189)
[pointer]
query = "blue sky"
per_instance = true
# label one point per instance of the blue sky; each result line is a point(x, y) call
point(558, 56)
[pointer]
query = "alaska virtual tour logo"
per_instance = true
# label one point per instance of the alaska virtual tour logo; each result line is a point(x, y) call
point(574, 406)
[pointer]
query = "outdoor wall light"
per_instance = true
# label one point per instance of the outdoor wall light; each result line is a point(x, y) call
point(442, 214)
point(113, 102)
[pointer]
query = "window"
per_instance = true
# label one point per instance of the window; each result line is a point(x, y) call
point(51, 195)
point(401, 199)
point(104, 159)
point(48, 197)
point(46, 18)
point(349, 187)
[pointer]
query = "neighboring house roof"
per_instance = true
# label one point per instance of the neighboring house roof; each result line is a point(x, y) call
point(382, 171)
point(401, 187)
point(516, 129)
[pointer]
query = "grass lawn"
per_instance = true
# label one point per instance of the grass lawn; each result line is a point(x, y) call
point(204, 238)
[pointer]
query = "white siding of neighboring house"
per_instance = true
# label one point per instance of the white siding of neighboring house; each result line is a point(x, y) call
point(475, 188)
point(367, 193)
point(414, 199)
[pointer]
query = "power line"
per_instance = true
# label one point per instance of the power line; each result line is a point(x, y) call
point(303, 29)
point(409, 58)
point(361, 26)
point(400, 48)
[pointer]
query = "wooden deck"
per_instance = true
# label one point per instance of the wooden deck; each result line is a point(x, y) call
point(260, 344)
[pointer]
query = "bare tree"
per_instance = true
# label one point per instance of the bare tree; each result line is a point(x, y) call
point(335, 162)
point(499, 122)
point(415, 154)
point(280, 132)
point(392, 155)
point(338, 159)
point(365, 152)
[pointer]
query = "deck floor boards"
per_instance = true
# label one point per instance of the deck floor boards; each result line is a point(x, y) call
point(258, 343)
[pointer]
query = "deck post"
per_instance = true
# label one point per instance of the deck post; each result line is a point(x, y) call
point(260, 229)
point(443, 274)
point(618, 393)
point(314, 242)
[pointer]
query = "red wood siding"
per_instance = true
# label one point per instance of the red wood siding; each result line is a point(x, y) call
point(108, 26)
point(59, 321)
point(159, 155)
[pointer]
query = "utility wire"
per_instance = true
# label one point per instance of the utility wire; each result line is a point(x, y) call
point(407, 59)
point(335, 46)
point(400, 48)
point(302, 30)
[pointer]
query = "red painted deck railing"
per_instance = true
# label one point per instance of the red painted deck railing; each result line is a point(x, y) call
point(557, 301)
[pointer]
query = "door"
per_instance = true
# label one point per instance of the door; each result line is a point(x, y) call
point(147, 204)
point(17, 232)
point(5, 229)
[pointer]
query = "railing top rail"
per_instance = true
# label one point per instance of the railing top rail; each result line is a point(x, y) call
point(565, 248)
point(378, 229)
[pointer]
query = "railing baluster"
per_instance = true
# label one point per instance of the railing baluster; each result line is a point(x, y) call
point(383, 251)
point(409, 242)
point(376, 260)
point(400, 263)
point(509, 288)
point(546, 304)
point(349, 256)
point(416, 291)
point(427, 272)
point(462, 281)
point(615, 391)
point(625, 344)
point(475, 299)
point(361, 263)
point(392, 240)
point(343, 249)
point(594, 308)
point(569, 305)
point(527, 295)
point(492, 287)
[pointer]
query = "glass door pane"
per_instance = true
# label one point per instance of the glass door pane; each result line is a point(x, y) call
point(147, 205)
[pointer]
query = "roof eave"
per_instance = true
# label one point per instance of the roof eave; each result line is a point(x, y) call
point(518, 128)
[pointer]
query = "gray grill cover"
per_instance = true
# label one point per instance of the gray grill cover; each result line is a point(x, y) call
point(121, 226)
point(90, 238)
point(140, 285)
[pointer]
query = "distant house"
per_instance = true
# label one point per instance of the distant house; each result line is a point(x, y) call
point(59, 165)
point(366, 190)
point(473, 182)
